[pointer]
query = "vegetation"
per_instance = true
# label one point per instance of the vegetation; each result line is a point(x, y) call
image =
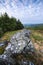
point(9, 24)
point(35, 27)
point(2, 50)
point(37, 39)
point(8, 35)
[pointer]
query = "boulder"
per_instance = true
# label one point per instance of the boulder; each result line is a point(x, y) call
point(20, 43)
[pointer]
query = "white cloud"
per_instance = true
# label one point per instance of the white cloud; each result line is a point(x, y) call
point(20, 10)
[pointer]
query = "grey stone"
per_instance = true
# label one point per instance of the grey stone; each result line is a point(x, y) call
point(19, 43)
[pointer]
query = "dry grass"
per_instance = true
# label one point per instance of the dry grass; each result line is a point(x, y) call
point(8, 35)
point(37, 39)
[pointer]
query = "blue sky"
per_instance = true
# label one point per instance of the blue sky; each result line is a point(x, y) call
point(28, 11)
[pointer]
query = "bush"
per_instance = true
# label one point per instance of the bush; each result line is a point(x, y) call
point(1, 32)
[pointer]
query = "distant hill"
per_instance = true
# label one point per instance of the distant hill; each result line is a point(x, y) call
point(34, 26)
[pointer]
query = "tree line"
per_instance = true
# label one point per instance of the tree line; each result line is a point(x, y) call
point(9, 24)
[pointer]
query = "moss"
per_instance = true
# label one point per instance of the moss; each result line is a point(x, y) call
point(1, 50)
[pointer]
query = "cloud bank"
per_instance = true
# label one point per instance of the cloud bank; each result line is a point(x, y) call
point(28, 11)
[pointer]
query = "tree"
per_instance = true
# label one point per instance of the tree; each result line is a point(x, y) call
point(9, 24)
point(19, 25)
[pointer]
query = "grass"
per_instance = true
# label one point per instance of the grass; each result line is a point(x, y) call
point(8, 35)
point(36, 37)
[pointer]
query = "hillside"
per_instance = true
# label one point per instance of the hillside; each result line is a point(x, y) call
point(34, 26)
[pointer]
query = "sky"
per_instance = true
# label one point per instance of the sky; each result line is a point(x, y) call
point(28, 11)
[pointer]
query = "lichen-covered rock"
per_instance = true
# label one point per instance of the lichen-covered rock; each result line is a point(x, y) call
point(25, 62)
point(20, 43)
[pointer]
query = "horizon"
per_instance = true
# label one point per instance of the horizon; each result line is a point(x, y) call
point(28, 11)
point(32, 23)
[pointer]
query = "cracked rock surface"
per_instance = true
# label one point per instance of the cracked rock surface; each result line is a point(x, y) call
point(20, 43)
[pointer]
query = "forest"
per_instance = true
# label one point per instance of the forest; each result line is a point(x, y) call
point(9, 24)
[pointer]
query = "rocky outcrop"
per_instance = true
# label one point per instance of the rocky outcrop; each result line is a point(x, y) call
point(20, 44)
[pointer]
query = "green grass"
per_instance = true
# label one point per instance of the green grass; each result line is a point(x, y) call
point(8, 35)
point(36, 37)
